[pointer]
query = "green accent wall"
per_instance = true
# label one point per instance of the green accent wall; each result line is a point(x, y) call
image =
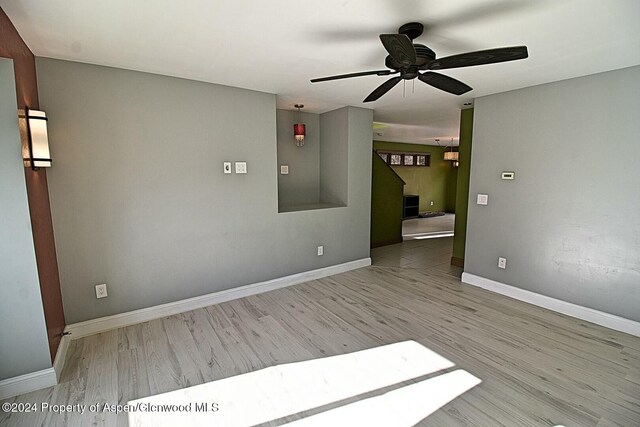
point(436, 182)
point(462, 193)
point(386, 204)
point(452, 190)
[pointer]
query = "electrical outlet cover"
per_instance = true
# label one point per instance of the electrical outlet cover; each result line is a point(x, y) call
point(284, 170)
point(320, 250)
point(101, 290)
point(483, 199)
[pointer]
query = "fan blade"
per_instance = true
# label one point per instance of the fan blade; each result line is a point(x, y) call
point(382, 89)
point(445, 83)
point(346, 76)
point(400, 48)
point(480, 57)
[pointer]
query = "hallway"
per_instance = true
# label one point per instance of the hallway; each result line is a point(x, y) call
point(428, 254)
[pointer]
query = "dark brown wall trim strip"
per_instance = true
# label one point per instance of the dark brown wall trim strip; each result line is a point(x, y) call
point(12, 46)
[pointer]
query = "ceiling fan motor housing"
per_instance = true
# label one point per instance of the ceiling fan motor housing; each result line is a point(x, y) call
point(413, 30)
point(424, 56)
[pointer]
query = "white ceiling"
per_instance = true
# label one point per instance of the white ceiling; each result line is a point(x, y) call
point(276, 46)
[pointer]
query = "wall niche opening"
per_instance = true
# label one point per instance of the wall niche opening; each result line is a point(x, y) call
point(317, 175)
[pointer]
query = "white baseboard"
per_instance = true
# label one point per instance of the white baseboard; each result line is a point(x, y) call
point(589, 314)
point(27, 383)
point(103, 324)
point(61, 355)
point(39, 379)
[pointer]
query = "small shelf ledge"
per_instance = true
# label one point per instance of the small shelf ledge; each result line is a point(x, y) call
point(308, 207)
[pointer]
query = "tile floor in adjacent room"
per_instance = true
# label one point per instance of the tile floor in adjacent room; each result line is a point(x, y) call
point(423, 254)
point(420, 228)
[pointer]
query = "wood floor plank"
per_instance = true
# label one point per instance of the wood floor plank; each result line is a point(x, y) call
point(102, 378)
point(538, 368)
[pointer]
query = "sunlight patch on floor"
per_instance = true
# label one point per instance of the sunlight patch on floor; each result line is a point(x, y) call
point(282, 390)
point(405, 406)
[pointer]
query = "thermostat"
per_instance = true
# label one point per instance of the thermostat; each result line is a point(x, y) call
point(508, 175)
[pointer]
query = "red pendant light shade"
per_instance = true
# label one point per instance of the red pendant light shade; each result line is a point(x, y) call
point(299, 129)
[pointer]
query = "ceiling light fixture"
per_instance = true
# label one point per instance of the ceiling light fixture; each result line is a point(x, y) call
point(299, 129)
point(451, 155)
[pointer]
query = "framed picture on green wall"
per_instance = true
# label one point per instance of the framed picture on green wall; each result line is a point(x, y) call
point(406, 159)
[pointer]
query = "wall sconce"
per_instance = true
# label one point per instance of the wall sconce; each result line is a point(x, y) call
point(36, 152)
point(299, 129)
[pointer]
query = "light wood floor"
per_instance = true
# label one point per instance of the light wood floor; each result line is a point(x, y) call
point(538, 368)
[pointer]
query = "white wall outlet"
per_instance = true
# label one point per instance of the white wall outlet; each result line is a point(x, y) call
point(226, 167)
point(284, 170)
point(508, 175)
point(320, 250)
point(502, 263)
point(483, 199)
point(431, 203)
point(101, 290)
point(241, 167)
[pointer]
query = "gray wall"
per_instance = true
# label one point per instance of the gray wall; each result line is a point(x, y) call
point(334, 135)
point(569, 224)
point(23, 335)
point(302, 185)
point(139, 199)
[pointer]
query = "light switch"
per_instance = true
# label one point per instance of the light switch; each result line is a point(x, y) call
point(226, 166)
point(483, 199)
point(284, 170)
point(241, 167)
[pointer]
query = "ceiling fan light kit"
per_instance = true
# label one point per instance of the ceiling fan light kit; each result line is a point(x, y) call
point(408, 59)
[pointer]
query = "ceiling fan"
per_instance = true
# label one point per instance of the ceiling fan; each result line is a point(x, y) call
point(408, 59)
